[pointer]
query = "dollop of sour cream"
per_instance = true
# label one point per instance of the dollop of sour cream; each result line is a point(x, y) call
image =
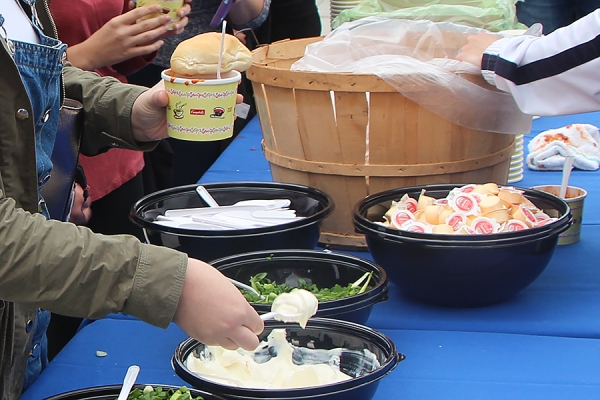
point(296, 306)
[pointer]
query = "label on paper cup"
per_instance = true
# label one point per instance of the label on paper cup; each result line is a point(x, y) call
point(575, 198)
point(201, 109)
point(169, 6)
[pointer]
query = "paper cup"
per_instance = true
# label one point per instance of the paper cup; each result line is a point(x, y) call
point(574, 198)
point(201, 109)
point(172, 5)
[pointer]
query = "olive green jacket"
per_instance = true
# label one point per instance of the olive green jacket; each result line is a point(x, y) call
point(55, 265)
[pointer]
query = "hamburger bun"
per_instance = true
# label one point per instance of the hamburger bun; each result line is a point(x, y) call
point(199, 55)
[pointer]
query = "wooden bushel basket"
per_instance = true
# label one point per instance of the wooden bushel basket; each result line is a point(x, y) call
point(353, 135)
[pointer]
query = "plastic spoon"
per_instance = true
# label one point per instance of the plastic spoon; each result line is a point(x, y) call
point(130, 377)
point(566, 173)
point(221, 50)
point(280, 317)
point(203, 193)
point(246, 287)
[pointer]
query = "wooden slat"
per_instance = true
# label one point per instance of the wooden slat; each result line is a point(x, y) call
point(282, 111)
point(352, 117)
point(317, 127)
point(262, 109)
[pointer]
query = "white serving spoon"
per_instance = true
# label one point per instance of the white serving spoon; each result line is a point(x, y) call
point(280, 317)
point(204, 195)
point(245, 287)
point(566, 173)
point(130, 377)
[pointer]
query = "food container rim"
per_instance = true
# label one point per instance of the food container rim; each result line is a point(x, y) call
point(141, 205)
point(363, 225)
point(188, 345)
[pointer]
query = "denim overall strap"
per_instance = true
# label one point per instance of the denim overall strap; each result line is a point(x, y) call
point(40, 66)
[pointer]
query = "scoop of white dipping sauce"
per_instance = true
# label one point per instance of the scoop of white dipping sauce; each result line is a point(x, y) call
point(296, 306)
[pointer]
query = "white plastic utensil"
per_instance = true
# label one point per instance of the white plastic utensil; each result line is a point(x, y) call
point(274, 214)
point(204, 195)
point(280, 317)
point(245, 205)
point(269, 204)
point(221, 50)
point(188, 212)
point(566, 173)
point(225, 222)
point(245, 287)
point(130, 377)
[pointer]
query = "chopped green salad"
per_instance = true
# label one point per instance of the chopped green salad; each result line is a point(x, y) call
point(158, 393)
point(270, 290)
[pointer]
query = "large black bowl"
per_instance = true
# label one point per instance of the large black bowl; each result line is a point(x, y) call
point(323, 333)
point(111, 392)
point(323, 268)
point(460, 270)
point(207, 245)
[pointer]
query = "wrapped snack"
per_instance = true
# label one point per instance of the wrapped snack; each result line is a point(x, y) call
point(468, 210)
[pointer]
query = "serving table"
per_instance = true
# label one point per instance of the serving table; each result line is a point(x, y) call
point(542, 344)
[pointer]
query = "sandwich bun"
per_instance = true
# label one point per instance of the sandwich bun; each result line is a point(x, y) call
point(199, 55)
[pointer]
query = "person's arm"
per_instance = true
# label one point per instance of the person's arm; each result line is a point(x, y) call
point(550, 75)
point(70, 270)
point(121, 38)
point(248, 13)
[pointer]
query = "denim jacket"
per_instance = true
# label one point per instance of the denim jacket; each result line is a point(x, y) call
point(56, 265)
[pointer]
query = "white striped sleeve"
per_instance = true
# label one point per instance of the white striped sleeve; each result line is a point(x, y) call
point(558, 74)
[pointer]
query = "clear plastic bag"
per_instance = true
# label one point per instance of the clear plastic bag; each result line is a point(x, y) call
point(417, 58)
point(493, 15)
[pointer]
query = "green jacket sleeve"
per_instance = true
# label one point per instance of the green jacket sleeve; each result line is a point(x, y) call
point(107, 105)
point(70, 270)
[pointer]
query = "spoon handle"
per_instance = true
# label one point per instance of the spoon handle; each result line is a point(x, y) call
point(269, 315)
point(204, 195)
point(565, 176)
point(130, 377)
point(283, 318)
point(244, 286)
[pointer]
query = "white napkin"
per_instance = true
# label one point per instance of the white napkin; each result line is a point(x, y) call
point(547, 151)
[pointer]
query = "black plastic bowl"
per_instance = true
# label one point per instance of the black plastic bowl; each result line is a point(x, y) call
point(323, 268)
point(207, 245)
point(112, 392)
point(460, 270)
point(324, 334)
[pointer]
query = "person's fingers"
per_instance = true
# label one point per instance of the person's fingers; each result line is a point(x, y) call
point(256, 326)
point(179, 26)
point(245, 338)
point(161, 98)
point(185, 10)
point(144, 25)
point(133, 15)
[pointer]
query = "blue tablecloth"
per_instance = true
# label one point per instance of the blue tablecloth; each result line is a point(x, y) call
point(542, 344)
point(438, 365)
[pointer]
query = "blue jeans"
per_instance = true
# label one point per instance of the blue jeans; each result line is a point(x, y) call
point(554, 14)
point(38, 358)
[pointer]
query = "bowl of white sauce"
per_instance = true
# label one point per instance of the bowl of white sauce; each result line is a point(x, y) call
point(330, 359)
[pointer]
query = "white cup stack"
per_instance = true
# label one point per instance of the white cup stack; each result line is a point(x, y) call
point(337, 6)
point(515, 172)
